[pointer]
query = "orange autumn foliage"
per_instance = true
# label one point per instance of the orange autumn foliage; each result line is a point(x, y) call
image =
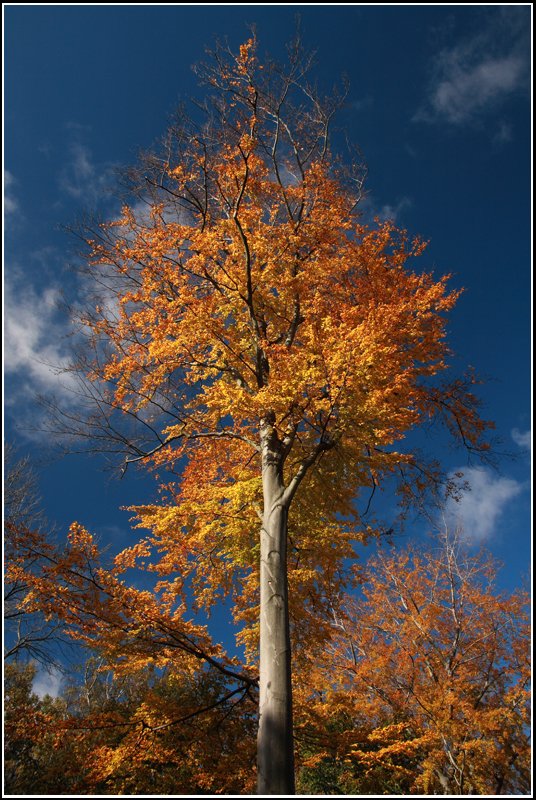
point(244, 289)
point(136, 734)
point(427, 688)
point(424, 690)
point(131, 627)
point(182, 709)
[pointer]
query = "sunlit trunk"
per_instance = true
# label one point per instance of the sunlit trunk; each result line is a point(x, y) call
point(275, 750)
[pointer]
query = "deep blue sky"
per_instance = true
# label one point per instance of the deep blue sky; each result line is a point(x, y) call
point(440, 108)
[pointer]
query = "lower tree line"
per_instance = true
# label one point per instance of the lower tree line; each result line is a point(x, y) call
point(421, 688)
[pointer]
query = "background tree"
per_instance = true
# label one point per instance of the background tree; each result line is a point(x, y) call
point(270, 351)
point(28, 745)
point(27, 635)
point(136, 734)
point(429, 687)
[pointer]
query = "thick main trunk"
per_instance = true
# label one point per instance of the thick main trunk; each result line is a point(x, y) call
point(275, 750)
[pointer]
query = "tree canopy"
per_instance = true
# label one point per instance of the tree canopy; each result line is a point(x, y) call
point(242, 290)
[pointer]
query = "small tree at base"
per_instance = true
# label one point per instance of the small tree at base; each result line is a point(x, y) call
point(427, 681)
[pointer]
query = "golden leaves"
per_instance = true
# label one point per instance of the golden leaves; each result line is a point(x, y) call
point(423, 674)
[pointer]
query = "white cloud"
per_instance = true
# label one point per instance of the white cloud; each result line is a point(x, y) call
point(503, 134)
point(522, 438)
point(47, 681)
point(466, 91)
point(82, 179)
point(478, 511)
point(388, 211)
point(391, 212)
point(10, 203)
point(359, 104)
point(34, 340)
point(479, 73)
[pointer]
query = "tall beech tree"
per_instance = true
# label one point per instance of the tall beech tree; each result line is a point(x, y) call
point(271, 353)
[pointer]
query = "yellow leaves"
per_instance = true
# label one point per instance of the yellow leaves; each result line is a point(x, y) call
point(387, 755)
point(388, 732)
point(315, 760)
point(332, 311)
point(80, 538)
point(427, 661)
point(127, 558)
point(177, 172)
point(247, 50)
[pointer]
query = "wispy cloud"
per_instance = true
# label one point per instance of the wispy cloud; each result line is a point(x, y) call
point(479, 73)
point(503, 134)
point(361, 104)
point(467, 90)
point(388, 211)
point(10, 202)
point(522, 438)
point(393, 212)
point(82, 178)
point(35, 351)
point(477, 513)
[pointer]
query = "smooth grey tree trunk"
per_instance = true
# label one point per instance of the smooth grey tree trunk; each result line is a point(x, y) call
point(275, 747)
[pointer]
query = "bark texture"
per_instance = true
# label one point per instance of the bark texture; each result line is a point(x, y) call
point(275, 737)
